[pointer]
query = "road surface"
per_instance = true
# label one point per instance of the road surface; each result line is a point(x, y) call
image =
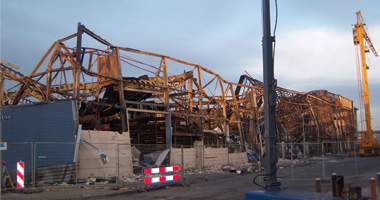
point(233, 186)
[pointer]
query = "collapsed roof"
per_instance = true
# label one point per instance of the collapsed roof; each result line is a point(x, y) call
point(129, 89)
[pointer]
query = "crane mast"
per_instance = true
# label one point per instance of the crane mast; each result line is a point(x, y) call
point(367, 144)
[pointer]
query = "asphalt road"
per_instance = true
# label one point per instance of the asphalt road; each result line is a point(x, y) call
point(357, 172)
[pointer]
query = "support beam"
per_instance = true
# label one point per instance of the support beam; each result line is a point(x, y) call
point(237, 115)
point(224, 104)
point(78, 62)
point(53, 58)
point(168, 117)
point(123, 114)
point(200, 100)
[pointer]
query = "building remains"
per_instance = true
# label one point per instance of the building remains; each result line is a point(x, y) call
point(159, 99)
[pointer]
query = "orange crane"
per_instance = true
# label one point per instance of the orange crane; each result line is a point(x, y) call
point(367, 144)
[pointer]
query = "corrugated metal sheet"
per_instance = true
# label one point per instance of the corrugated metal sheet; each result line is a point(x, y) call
point(43, 122)
point(27, 126)
point(56, 174)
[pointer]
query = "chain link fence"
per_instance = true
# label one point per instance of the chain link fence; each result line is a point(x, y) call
point(325, 159)
point(59, 164)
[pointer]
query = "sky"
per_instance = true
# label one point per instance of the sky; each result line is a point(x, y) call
point(314, 46)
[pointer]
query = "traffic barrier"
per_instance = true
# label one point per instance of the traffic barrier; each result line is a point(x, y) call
point(162, 179)
point(20, 175)
point(160, 170)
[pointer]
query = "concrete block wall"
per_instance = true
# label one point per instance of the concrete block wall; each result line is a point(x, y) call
point(188, 157)
point(215, 156)
point(211, 156)
point(238, 158)
point(90, 163)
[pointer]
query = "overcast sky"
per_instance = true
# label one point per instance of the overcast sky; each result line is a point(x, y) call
point(314, 48)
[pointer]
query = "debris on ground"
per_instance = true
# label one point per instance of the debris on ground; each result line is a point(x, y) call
point(252, 156)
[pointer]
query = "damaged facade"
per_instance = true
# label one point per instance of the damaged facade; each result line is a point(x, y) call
point(159, 99)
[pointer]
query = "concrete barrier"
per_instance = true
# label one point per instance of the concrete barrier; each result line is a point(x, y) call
point(115, 145)
point(210, 156)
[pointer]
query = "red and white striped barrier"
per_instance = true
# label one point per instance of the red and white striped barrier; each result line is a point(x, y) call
point(161, 170)
point(161, 179)
point(20, 175)
point(158, 170)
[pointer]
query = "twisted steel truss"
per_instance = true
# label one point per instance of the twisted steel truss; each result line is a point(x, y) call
point(129, 89)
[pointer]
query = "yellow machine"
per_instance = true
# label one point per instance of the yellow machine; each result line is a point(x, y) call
point(368, 145)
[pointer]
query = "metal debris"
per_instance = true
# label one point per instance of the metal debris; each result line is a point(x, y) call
point(200, 104)
point(103, 156)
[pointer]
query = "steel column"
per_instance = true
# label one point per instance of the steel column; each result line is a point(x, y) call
point(270, 157)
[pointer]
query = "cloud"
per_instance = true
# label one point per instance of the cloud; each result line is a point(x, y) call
point(318, 56)
point(375, 115)
point(323, 58)
point(315, 53)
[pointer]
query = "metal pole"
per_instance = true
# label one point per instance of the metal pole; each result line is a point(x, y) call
point(203, 153)
point(323, 161)
point(271, 152)
point(356, 163)
point(34, 162)
point(32, 165)
point(228, 157)
point(283, 149)
point(303, 135)
point(291, 157)
point(182, 166)
point(168, 130)
point(117, 163)
point(76, 173)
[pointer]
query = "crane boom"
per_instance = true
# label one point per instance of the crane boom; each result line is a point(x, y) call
point(362, 24)
point(367, 144)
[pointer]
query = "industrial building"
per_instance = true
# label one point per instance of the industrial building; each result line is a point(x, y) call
point(158, 99)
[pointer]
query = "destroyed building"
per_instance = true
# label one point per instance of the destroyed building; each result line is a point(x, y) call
point(163, 100)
